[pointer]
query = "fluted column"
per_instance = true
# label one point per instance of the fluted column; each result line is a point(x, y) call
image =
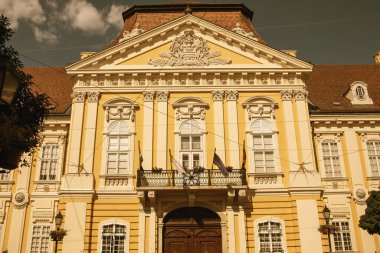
point(148, 129)
point(233, 130)
point(219, 124)
point(162, 128)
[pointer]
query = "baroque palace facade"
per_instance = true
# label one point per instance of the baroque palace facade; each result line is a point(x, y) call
point(179, 84)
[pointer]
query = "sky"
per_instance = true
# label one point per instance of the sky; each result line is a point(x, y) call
point(54, 32)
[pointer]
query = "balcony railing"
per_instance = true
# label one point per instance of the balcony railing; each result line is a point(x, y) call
point(172, 178)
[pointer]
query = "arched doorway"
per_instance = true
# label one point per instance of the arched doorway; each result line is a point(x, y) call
point(192, 230)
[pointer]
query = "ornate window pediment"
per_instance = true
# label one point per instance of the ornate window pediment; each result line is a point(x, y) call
point(260, 107)
point(190, 108)
point(120, 108)
point(189, 50)
point(358, 94)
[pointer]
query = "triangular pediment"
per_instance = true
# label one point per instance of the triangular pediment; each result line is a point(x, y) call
point(188, 42)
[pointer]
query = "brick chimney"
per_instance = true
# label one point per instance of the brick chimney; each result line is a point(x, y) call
point(377, 57)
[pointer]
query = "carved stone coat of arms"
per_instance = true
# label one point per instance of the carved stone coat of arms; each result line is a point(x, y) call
point(189, 50)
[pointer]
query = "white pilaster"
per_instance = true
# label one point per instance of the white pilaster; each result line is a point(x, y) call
point(219, 124)
point(308, 223)
point(152, 231)
point(89, 145)
point(242, 231)
point(231, 229)
point(76, 131)
point(304, 130)
point(291, 140)
point(148, 130)
point(233, 131)
point(75, 221)
point(162, 128)
point(141, 243)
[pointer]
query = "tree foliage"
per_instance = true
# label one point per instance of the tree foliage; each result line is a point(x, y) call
point(370, 221)
point(21, 123)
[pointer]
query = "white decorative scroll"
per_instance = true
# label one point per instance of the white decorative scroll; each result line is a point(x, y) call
point(240, 30)
point(120, 112)
point(134, 32)
point(190, 113)
point(78, 96)
point(189, 50)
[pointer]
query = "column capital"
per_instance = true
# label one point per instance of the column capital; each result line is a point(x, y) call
point(217, 95)
point(162, 96)
point(148, 96)
point(286, 95)
point(78, 96)
point(231, 95)
point(300, 95)
point(93, 96)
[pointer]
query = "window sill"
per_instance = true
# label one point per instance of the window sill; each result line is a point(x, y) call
point(116, 182)
point(47, 185)
point(266, 180)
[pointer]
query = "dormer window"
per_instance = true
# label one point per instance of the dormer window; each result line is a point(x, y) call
point(358, 94)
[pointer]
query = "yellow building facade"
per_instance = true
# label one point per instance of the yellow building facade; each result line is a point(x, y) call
point(180, 84)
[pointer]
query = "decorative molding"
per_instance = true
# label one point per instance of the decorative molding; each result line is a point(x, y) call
point(190, 113)
point(217, 95)
point(120, 112)
point(189, 50)
point(231, 95)
point(335, 136)
point(93, 97)
point(286, 95)
point(134, 32)
point(162, 96)
point(260, 107)
point(20, 200)
point(300, 95)
point(78, 96)
point(148, 96)
point(240, 30)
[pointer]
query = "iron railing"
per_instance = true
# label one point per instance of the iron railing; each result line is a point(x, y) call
point(172, 178)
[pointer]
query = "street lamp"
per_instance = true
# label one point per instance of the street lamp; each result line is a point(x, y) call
point(9, 80)
point(58, 234)
point(326, 215)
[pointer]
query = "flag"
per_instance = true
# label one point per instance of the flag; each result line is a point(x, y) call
point(140, 158)
point(244, 157)
point(218, 162)
point(177, 165)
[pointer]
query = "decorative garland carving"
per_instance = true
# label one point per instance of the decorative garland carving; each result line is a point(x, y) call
point(190, 113)
point(261, 110)
point(189, 50)
point(78, 96)
point(217, 95)
point(120, 112)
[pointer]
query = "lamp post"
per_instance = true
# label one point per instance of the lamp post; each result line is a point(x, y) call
point(58, 234)
point(9, 81)
point(326, 216)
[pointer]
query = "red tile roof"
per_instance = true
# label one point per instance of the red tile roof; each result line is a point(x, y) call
point(56, 83)
point(152, 16)
point(328, 83)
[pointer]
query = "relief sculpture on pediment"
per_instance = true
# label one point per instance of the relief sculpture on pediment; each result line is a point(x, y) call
point(189, 50)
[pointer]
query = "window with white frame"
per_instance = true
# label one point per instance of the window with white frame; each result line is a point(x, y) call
point(270, 237)
point(118, 148)
point(331, 159)
point(40, 239)
point(113, 238)
point(190, 144)
point(49, 162)
point(373, 150)
point(263, 148)
point(342, 237)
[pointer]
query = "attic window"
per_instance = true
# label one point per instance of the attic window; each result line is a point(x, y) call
point(358, 94)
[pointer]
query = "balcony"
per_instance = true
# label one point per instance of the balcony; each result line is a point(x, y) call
point(205, 179)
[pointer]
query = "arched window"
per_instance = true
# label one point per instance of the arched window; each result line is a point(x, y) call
point(114, 237)
point(331, 160)
point(190, 144)
point(263, 149)
point(270, 232)
point(118, 148)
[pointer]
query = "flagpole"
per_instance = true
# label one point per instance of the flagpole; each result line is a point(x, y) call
point(171, 161)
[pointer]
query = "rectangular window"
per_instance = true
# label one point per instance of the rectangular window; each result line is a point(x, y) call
point(117, 155)
point(40, 239)
point(270, 234)
point(373, 149)
point(342, 237)
point(331, 159)
point(263, 152)
point(113, 238)
point(190, 151)
point(49, 161)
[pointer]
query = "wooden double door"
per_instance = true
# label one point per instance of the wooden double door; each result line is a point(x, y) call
point(192, 240)
point(192, 235)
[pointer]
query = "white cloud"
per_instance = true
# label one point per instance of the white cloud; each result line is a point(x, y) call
point(46, 37)
point(114, 16)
